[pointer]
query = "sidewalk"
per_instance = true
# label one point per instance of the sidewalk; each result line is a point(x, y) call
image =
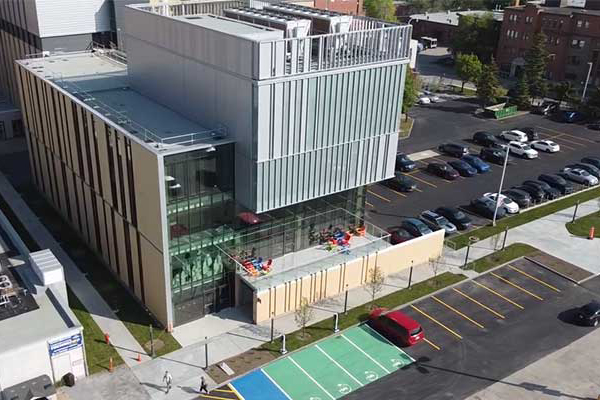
point(125, 344)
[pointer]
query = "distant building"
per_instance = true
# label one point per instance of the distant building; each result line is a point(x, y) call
point(443, 25)
point(572, 39)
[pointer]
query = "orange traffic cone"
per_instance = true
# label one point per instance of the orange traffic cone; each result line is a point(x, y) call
point(139, 359)
point(591, 235)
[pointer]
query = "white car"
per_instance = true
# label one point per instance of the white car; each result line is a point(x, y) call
point(514, 135)
point(432, 97)
point(509, 205)
point(522, 149)
point(545, 145)
point(424, 100)
point(579, 175)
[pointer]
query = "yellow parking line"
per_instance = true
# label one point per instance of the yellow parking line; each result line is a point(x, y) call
point(436, 321)
point(377, 195)
point(237, 394)
point(206, 396)
point(563, 133)
point(516, 286)
point(369, 204)
point(398, 193)
point(499, 295)
point(458, 312)
point(422, 180)
point(478, 303)
point(579, 138)
point(560, 137)
point(534, 278)
point(418, 190)
point(435, 346)
point(222, 390)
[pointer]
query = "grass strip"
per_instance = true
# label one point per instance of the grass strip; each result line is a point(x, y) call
point(461, 241)
point(359, 314)
point(97, 352)
point(509, 253)
point(581, 226)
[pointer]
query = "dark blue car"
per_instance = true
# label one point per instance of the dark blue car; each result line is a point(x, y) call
point(571, 117)
point(476, 163)
point(463, 168)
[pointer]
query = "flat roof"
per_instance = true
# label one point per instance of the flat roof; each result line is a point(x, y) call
point(452, 17)
point(566, 11)
point(232, 27)
point(101, 85)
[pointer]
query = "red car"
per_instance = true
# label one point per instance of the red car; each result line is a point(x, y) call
point(397, 326)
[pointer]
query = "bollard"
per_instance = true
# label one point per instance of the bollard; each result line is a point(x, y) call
point(591, 235)
point(575, 212)
point(335, 323)
point(346, 302)
point(410, 276)
point(206, 351)
point(504, 240)
point(283, 349)
point(272, 328)
point(110, 365)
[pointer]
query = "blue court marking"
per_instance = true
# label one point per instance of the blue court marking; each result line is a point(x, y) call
point(256, 385)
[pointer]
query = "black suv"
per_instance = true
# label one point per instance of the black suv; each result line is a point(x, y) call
point(557, 182)
point(589, 314)
point(493, 155)
point(404, 164)
point(530, 132)
point(485, 139)
point(457, 217)
point(550, 192)
point(453, 149)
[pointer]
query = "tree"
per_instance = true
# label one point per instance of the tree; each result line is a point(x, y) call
point(303, 315)
point(375, 281)
point(477, 35)
point(435, 263)
point(535, 66)
point(411, 89)
point(593, 103)
point(564, 91)
point(488, 85)
point(521, 97)
point(381, 9)
point(468, 68)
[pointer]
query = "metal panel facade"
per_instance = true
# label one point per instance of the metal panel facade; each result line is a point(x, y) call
point(72, 17)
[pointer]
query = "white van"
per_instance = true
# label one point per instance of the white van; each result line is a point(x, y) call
point(514, 135)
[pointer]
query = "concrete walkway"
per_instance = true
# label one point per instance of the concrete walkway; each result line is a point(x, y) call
point(125, 344)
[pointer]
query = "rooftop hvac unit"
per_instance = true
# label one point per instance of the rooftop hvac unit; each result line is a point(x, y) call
point(322, 21)
point(293, 27)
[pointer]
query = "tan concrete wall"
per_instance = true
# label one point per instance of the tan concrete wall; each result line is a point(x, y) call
point(330, 282)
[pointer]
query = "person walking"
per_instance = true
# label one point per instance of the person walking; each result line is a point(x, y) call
point(168, 379)
point(203, 385)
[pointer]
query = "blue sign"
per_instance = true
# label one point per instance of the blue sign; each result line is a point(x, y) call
point(66, 344)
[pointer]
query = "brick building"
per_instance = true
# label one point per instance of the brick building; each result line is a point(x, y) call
point(354, 7)
point(572, 40)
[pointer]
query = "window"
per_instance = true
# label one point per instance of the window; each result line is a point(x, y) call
point(556, 41)
point(586, 24)
point(577, 43)
point(579, 23)
point(528, 20)
point(526, 36)
point(2, 131)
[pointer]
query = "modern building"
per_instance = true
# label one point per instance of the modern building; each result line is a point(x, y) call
point(42, 340)
point(223, 162)
point(443, 25)
point(572, 40)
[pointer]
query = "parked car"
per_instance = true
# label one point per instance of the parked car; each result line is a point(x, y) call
point(401, 183)
point(522, 149)
point(551, 193)
point(457, 217)
point(537, 194)
point(453, 149)
point(591, 160)
point(522, 198)
point(546, 108)
point(557, 182)
point(400, 236)
point(595, 126)
point(443, 170)
point(586, 167)
point(484, 139)
point(397, 326)
point(530, 132)
point(589, 314)
point(570, 117)
point(463, 168)
point(493, 155)
point(579, 175)
point(436, 222)
point(434, 98)
point(506, 202)
point(513, 135)
point(476, 163)
point(545, 145)
point(485, 207)
point(415, 227)
point(404, 164)
point(424, 100)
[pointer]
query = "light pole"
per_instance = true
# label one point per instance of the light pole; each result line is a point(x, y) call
point(587, 80)
point(500, 187)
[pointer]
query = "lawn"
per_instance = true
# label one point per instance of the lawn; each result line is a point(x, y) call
point(523, 218)
point(359, 314)
point(135, 317)
point(581, 226)
point(509, 253)
point(97, 352)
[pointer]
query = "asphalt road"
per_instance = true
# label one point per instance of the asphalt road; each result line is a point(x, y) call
point(453, 121)
point(472, 347)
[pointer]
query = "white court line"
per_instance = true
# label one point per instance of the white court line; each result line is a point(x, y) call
point(362, 351)
point(310, 377)
point(387, 340)
point(336, 363)
point(275, 383)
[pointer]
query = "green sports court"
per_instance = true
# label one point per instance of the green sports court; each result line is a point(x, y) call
point(329, 369)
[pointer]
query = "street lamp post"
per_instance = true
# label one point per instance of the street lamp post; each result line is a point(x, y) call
point(500, 187)
point(587, 80)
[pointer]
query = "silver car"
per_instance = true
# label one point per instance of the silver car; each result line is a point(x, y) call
point(436, 221)
point(579, 175)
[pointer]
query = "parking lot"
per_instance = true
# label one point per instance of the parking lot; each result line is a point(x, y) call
point(485, 329)
point(452, 121)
